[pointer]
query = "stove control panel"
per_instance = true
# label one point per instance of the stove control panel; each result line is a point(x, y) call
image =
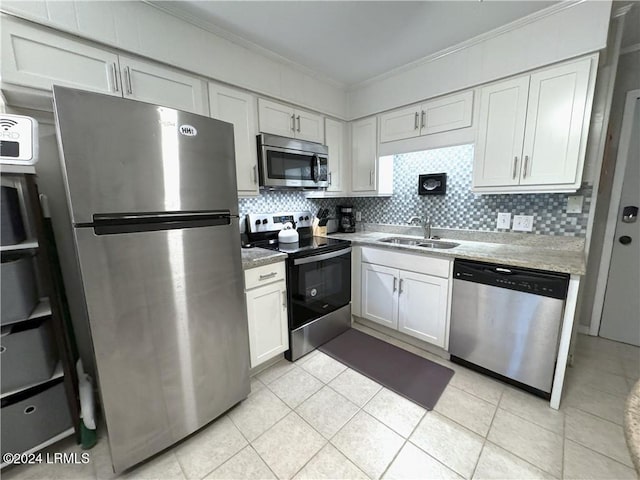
point(273, 222)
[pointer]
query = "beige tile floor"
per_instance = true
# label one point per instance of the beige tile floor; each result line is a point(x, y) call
point(318, 419)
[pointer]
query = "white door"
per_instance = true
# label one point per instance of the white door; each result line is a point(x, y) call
point(501, 123)
point(449, 113)
point(422, 307)
point(35, 57)
point(239, 108)
point(380, 294)
point(309, 126)
point(363, 155)
point(276, 118)
point(400, 124)
point(620, 317)
point(149, 82)
point(555, 116)
point(267, 314)
point(335, 133)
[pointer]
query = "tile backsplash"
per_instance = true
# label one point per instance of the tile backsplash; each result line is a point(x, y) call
point(458, 208)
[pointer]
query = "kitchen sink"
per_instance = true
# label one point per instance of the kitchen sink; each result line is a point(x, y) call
point(420, 242)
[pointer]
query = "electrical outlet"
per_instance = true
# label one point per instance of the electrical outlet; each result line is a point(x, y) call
point(504, 221)
point(574, 204)
point(358, 216)
point(523, 223)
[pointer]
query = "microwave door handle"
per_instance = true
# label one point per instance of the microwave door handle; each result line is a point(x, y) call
point(315, 168)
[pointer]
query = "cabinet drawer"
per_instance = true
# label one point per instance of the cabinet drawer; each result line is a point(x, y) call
point(438, 267)
point(264, 275)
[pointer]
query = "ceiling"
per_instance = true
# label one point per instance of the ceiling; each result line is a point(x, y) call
point(352, 41)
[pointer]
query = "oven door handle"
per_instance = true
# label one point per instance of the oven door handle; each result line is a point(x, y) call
point(323, 256)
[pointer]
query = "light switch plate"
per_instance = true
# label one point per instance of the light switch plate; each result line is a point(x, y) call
point(523, 223)
point(504, 221)
point(574, 203)
point(358, 216)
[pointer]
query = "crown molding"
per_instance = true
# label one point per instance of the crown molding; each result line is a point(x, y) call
point(516, 24)
point(170, 9)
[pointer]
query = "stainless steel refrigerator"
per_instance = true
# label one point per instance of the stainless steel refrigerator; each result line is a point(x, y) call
point(153, 203)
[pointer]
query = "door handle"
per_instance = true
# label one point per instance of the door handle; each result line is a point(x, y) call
point(371, 177)
point(293, 122)
point(394, 283)
point(255, 174)
point(268, 275)
point(329, 178)
point(629, 214)
point(298, 122)
point(284, 299)
point(625, 240)
point(114, 71)
point(127, 77)
point(415, 122)
point(515, 167)
point(526, 164)
point(400, 292)
point(423, 119)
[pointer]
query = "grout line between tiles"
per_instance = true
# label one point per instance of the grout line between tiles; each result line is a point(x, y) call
point(251, 445)
point(485, 438)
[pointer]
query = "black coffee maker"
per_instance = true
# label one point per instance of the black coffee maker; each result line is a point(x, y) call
point(346, 219)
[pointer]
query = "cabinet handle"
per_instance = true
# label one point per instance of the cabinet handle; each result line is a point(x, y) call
point(284, 299)
point(400, 292)
point(293, 123)
point(329, 178)
point(415, 122)
point(114, 71)
point(371, 177)
point(255, 174)
point(423, 119)
point(127, 78)
point(526, 163)
point(298, 118)
point(268, 275)
point(515, 166)
point(395, 280)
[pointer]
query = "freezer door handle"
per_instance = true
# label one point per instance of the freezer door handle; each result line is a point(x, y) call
point(109, 224)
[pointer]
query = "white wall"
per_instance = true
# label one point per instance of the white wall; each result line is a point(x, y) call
point(555, 34)
point(145, 30)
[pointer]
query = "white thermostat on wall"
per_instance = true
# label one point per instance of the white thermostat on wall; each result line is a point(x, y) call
point(18, 139)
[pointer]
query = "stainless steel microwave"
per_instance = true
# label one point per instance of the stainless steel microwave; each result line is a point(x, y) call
point(286, 163)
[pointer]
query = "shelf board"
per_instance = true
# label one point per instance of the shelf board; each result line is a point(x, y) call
point(42, 309)
point(57, 373)
point(28, 244)
point(9, 168)
point(67, 433)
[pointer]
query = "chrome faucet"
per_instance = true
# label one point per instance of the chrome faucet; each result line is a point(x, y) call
point(426, 224)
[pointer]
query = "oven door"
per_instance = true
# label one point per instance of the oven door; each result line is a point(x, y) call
point(285, 168)
point(318, 284)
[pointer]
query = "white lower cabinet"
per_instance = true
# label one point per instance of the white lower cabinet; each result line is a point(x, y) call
point(267, 313)
point(415, 303)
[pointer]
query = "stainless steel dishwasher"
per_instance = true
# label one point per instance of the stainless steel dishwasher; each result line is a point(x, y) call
point(505, 321)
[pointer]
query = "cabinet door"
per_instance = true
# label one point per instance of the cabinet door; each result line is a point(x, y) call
point(151, 83)
point(498, 150)
point(267, 314)
point(35, 57)
point(239, 108)
point(309, 126)
point(335, 139)
point(555, 116)
point(276, 118)
point(422, 307)
point(363, 155)
point(379, 294)
point(400, 124)
point(449, 113)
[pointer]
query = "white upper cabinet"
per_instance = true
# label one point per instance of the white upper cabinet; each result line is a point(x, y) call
point(34, 57)
point(498, 150)
point(287, 121)
point(435, 116)
point(336, 135)
point(364, 155)
point(239, 108)
point(149, 82)
point(532, 131)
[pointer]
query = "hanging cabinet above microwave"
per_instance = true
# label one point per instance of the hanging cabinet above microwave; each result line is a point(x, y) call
point(287, 121)
point(532, 131)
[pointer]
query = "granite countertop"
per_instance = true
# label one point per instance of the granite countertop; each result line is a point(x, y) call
point(256, 257)
point(632, 424)
point(542, 252)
